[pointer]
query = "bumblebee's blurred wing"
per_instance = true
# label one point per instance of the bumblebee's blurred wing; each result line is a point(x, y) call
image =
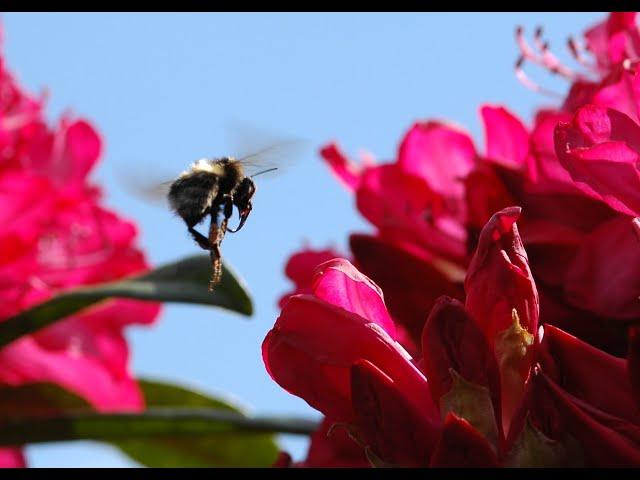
point(154, 191)
point(259, 150)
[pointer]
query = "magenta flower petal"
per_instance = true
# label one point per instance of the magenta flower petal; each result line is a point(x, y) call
point(390, 422)
point(405, 209)
point(440, 154)
point(312, 346)
point(600, 149)
point(486, 194)
point(452, 340)
point(347, 172)
point(21, 232)
point(62, 238)
point(503, 300)
point(461, 445)
point(507, 139)
point(499, 278)
point(90, 376)
point(546, 173)
point(614, 39)
point(602, 333)
point(300, 269)
point(339, 283)
point(594, 376)
point(411, 287)
point(606, 439)
point(603, 276)
point(80, 152)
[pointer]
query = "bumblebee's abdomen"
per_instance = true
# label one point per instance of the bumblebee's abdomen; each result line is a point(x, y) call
point(192, 194)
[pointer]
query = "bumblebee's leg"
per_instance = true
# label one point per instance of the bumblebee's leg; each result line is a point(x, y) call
point(244, 214)
point(216, 234)
point(216, 264)
point(200, 239)
point(227, 207)
point(227, 211)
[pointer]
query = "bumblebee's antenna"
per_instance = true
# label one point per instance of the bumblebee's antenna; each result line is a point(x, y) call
point(264, 171)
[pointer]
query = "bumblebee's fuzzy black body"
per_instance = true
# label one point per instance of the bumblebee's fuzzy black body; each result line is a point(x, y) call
point(203, 185)
point(207, 188)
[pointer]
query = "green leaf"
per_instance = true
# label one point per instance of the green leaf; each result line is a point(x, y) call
point(184, 281)
point(180, 427)
point(226, 449)
point(38, 399)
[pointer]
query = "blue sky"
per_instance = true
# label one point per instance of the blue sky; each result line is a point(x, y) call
point(165, 89)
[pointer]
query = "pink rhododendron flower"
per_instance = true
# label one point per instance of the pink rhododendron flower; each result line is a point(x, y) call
point(573, 171)
point(600, 150)
point(614, 40)
point(429, 206)
point(300, 268)
point(584, 394)
point(417, 208)
point(62, 238)
point(557, 217)
point(509, 393)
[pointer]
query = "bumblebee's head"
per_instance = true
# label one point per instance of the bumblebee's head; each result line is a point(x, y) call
point(242, 200)
point(244, 192)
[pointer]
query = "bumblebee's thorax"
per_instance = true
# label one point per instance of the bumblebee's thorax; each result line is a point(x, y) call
point(228, 170)
point(232, 173)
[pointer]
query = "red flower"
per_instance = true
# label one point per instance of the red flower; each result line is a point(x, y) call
point(587, 394)
point(411, 287)
point(419, 209)
point(300, 268)
point(577, 190)
point(614, 40)
point(600, 149)
point(317, 331)
point(62, 238)
point(419, 200)
point(417, 206)
point(476, 378)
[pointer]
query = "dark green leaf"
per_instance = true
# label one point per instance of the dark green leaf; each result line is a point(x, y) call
point(184, 281)
point(180, 427)
point(225, 449)
point(38, 399)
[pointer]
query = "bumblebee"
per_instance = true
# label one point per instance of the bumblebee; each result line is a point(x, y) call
point(211, 188)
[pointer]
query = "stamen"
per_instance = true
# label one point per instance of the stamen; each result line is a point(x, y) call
point(551, 62)
point(524, 79)
point(576, 52)
point(525, 50)
point(537, 39)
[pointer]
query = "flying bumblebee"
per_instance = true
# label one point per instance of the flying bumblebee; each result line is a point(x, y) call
point(211, 188)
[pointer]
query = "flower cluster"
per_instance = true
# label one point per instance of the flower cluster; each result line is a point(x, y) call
point(496, 343)
point(56, 235)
